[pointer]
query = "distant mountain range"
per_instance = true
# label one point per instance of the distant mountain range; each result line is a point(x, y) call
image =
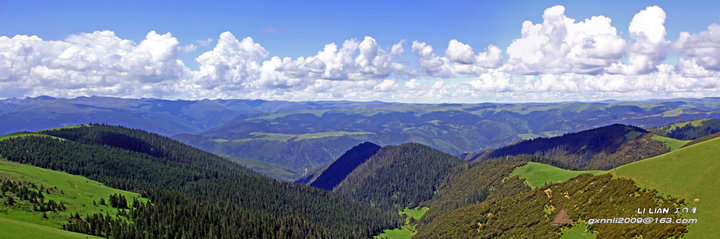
point(302, 136)
point(166, 117)
point(308, 139)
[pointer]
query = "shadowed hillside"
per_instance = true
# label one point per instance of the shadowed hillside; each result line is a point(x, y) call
point(340, 168)
point(596, 149)
point(688, 130)
point(399, 176)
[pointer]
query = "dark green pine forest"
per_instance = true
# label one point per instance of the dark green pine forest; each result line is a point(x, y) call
point(193, 194)
point(399, 176)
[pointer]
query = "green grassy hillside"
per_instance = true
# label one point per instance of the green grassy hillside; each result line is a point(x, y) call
point(12, 229)
point(78, 194)
point(538, 174)
point(408, 230)
point(671, 143)
point(691, 173)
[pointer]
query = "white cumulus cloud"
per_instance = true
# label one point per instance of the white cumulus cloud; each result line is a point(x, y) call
point(459, 59)
point(557, 59)
point(90, 63)
point(703, 47)
point(560, 45)
point(231, 65)
point(650, 47)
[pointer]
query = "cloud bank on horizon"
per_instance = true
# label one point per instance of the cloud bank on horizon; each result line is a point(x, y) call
point(558, 59)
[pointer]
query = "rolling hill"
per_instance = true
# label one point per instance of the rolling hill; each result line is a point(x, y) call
point(166, 117)
point(76, 194)
point(399, 176)
point(307, 139)
point(538, 174)
point(223, 197)
point(302, 136)
point(13, 229)
point(465, 207)
point(684, 173)
point(595, 149)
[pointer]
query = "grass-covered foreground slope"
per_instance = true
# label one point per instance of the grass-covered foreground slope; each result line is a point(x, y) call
point(539, 174)
point(14, 229)
point(691, 173)
point(194, 194)
point(77, 194)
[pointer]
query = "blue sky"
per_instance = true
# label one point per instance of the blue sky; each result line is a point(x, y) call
point(303, 28)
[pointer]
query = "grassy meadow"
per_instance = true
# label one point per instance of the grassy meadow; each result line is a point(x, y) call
point(407, 230)
point(77, 192)
point(671, 143)
point(691, 173)
point(538, 174)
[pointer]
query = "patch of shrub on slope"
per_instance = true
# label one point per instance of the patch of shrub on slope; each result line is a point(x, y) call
point(530, 214)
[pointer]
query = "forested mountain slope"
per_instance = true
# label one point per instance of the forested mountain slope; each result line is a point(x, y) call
point(339, 169)
point(688, 130)
point(399, 176)
point(221, 197)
